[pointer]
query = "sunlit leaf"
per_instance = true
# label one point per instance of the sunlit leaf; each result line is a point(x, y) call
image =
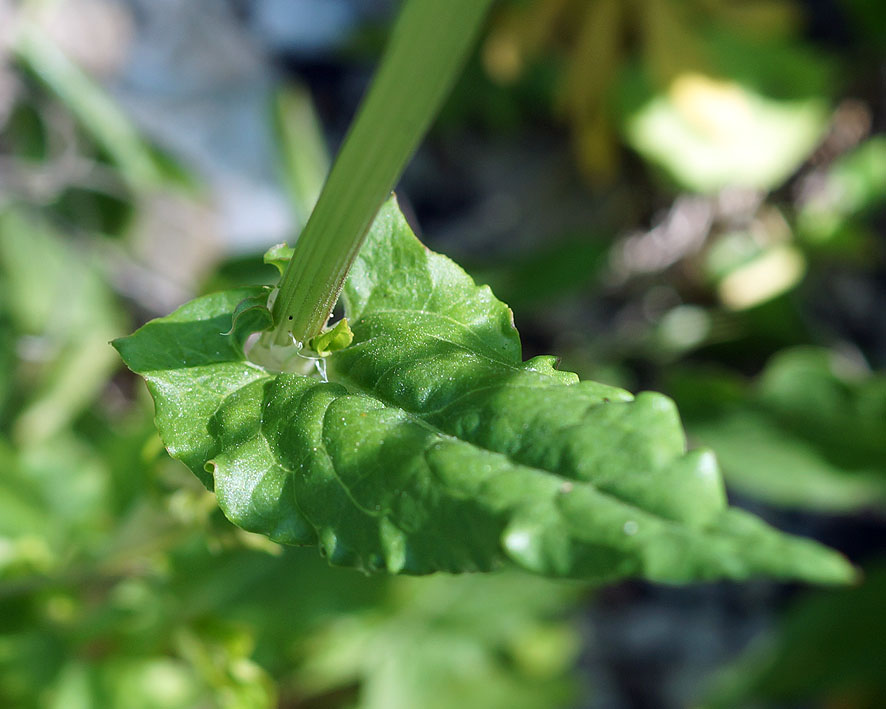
point(435, 447)
point(748, 117)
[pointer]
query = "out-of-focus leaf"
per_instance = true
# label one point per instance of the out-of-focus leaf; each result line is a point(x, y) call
point(855, 184)
point(858, 180)
point(769, 274)
point(805, 435)
point(869, 17)
point(7, 360)
point(304, 159)
point(222, 661)
point(435, 447)
point(471, 641)
point(546, 274)
point(683, 41)
point(221, 618)
point(29, 660)
point(97, 113)
point(24, 132)
point(748, 120)
point(53, 502)
point(93, 211)
point(62, 304)
point(828, 650)
point(136, 682)
point(761, 17)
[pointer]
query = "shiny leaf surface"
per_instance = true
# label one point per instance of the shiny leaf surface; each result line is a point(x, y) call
point(434, 447)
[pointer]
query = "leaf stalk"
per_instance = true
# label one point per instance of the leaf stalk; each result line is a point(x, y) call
point(428, 46)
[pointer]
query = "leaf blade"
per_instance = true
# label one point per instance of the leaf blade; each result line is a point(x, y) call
point(434, 447)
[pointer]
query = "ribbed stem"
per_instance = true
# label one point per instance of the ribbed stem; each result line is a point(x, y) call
point(427, 49)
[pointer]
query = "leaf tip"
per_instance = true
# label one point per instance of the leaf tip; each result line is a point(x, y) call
point(827, 567)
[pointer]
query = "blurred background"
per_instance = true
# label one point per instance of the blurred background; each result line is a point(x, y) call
point(680, 195)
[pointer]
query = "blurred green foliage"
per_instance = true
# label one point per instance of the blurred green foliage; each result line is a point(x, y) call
point(716, 93)
point(122, 586)
point(828, 652)
point(809, 433)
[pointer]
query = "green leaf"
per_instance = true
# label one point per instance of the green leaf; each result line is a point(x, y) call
point(434, 447)
point(750, 118)
point(279, 256)
point(827, 651)
point(336, 338)
point(852, 187)
point(59, 296)
point(191, 368)
point(93, 108)
point(810, 433)
point(46, 518)
point(251, 315)
point(499, 640)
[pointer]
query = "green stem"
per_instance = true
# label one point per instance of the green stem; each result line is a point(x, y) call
point(427, 48)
